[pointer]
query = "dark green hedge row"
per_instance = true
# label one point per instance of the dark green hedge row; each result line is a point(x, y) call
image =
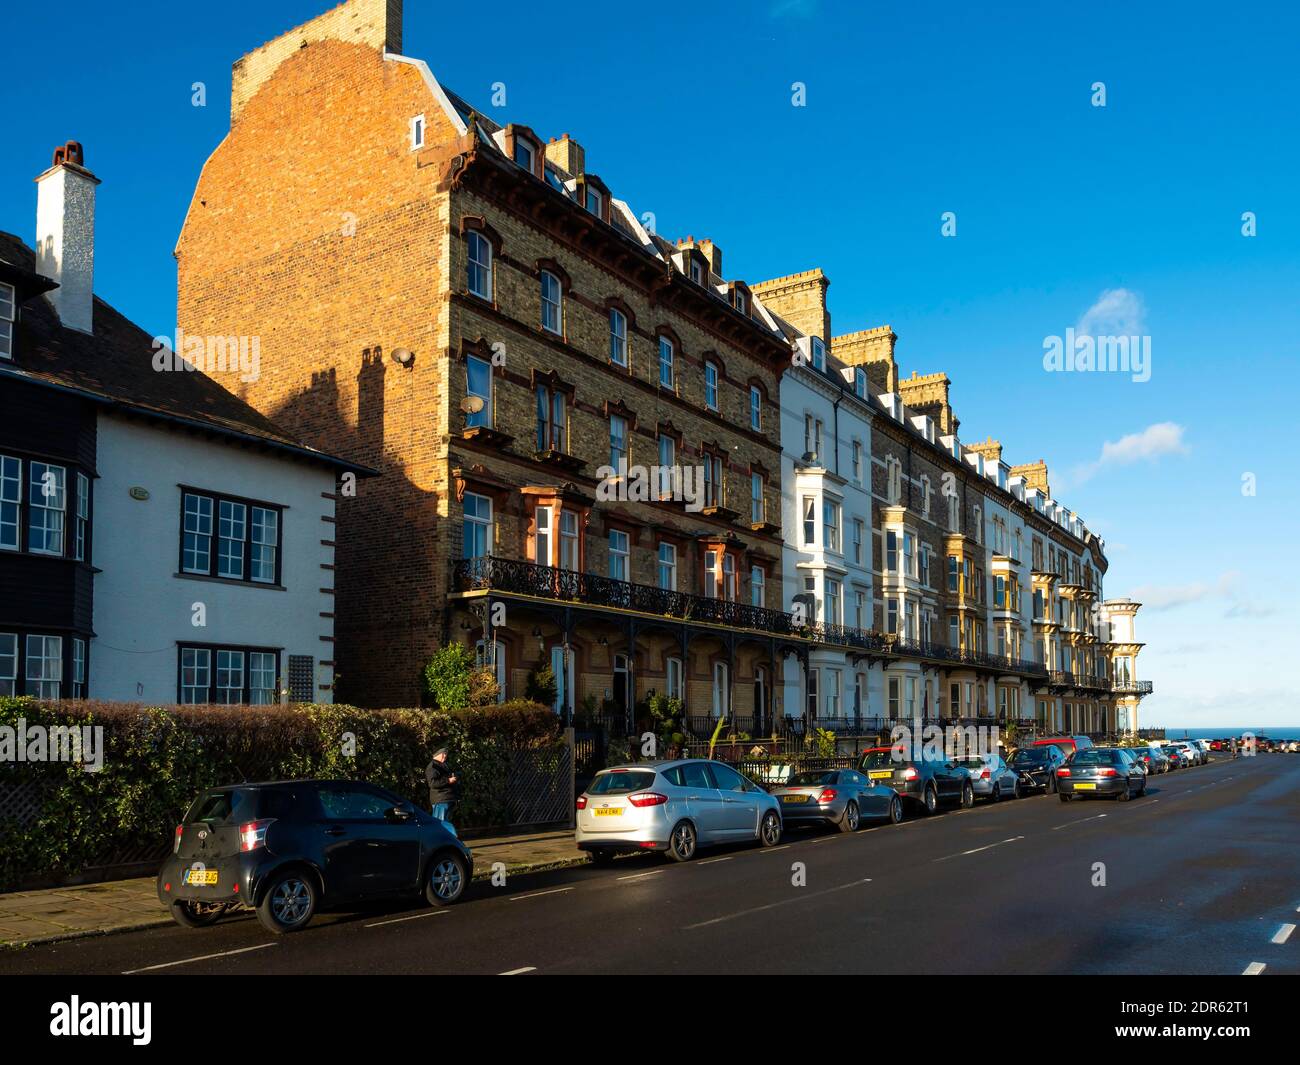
point(157, 758)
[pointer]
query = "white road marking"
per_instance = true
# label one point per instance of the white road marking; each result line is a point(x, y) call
point(1254, 969)
point(976, 850)
point(201, 957)
point(773, 850)
point(710, 861)
point(642, 876)
point(1283, 933)
point(538, 894)
point(413, 917)
point(1081, 820)
point(519, 972)
point(773, 905)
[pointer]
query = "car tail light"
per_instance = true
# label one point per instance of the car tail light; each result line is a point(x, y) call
point(1108, 773)
point(984, 774)
point(582, 802)
point(1062, 772)
point(252, 834)
point(176, 846)
point(827, 795)
point(910, 773)
point(647, 798)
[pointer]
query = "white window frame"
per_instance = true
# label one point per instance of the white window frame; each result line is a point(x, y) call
point(48, 682)
point(673, 677)
point(8, 663)
point(617, 337)
point(8, 315)
point(417, 132)
point(620, 555)
point(477, 520)
point(552, 303)
point(757, 498)
point(55, 513)
point(483, 418)
point(478, 250)
point(755, 408)
point(11, 502)
point(667, 363)
point(618, 440)
point(711, 384)
point(666, 566)
point(757, 586)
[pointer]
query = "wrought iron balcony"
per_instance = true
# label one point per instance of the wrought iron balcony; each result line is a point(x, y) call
point(518, 577)
point(1063, 679)
point(1133, 687)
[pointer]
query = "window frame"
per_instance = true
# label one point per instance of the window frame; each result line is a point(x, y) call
point(475, 238)
point(8, 318)
point(476, 520)
point(246, 687)
point(558, 302)
point(618, 342)
point(214, 536)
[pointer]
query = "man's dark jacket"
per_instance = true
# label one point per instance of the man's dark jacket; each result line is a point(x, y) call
point(438, 775)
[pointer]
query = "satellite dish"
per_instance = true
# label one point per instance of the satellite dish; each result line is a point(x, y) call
point(471, 404)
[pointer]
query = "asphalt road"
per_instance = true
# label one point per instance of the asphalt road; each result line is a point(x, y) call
point(1202, 876)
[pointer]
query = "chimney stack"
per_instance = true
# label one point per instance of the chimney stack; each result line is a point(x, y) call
point(567, 154)
point(65, 235)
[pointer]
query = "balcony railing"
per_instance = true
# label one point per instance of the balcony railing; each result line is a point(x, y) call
point(515, 576)
point(1133, 687)
point(1058, 678)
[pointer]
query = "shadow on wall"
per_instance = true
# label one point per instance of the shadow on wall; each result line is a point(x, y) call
point(389, 563)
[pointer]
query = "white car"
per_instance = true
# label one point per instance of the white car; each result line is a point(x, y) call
point(1192, 753)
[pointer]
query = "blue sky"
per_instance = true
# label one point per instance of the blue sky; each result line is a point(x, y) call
point(911, 111)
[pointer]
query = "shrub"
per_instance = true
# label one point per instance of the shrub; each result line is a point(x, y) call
point(454, 679)
point(541, 686)
point(157, 758)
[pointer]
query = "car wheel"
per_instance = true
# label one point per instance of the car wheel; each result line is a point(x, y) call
point(997, 793)
point(1052, 786)
point(1126, 794)
point(930, 799)
point(895, 810)
point(967, 796)
point(288, 904)
point(195, 914)
point(849, 822)
point(682, 841)
point(1016, 792)
point(448, 878)
point(602, 856)
point(1063, 797)
point(1142, 790)
point(769, 829)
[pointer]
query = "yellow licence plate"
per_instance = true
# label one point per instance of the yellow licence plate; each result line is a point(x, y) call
point(1085, 787)
point(794, 798)
point(607, 811)
point(206, 877)
point(883, 774)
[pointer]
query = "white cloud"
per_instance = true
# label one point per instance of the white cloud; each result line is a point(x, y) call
point(1169, 596)
point(1153, 442)
point(1117, 313)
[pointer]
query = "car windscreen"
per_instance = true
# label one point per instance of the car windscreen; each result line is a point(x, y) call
point(219, 808)
point(976, 763)
point(1031, 756)
point(621, 782)
point(1092, 756)
point(812, 779)
point(880, 760)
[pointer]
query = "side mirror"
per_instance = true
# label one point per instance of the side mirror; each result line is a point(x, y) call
point(400, 813)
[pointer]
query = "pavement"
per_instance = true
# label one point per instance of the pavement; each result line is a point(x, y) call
point(30, 917)
point(1200, 876)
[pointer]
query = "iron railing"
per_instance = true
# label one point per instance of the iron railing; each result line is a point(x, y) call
point(515, 576)
point(1133, 687)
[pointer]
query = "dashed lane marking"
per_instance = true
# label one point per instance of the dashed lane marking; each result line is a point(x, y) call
point(539, 894)
point(1081, 820)
point(976, 850)
point(519, 972)
point(412, 917)
point(1283, 933)
point(201, 957)
point(1253, 969)
point(774, 905)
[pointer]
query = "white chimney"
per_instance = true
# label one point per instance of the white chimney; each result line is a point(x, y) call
point(65, 236)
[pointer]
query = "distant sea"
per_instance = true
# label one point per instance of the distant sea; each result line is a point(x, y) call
point(1278, 732)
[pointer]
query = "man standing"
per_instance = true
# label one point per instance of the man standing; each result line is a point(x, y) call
point(443, 783)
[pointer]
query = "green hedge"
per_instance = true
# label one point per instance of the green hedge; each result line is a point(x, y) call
point(157, 758)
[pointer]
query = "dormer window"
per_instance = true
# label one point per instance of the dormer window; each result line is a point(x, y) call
point(525, 155)
point(742, 304)
point(818, 354)
point(8, 312)
point(417, 133)
point(860, 382)
point(697, 271)
point(595, 202)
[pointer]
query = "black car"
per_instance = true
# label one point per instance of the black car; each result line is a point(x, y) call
point(1037, 766)
point(924, 780)
point(287, 848)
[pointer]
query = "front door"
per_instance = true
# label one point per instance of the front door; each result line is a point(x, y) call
point(622, 684)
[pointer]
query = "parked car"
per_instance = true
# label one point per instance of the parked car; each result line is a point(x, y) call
point(1220, 745)
point(288, 848)
point(992, 778)
point(1157, 761)
point(1192, 754)
point(1100, 771)
point(840, 797)
point(676, 807)
point(1204, 746)
point(1176, 755)
point(1037, 767)
point(1068, 744)
point(927, 781)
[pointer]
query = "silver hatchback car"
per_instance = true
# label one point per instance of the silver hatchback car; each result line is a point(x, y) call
point(676, 807)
